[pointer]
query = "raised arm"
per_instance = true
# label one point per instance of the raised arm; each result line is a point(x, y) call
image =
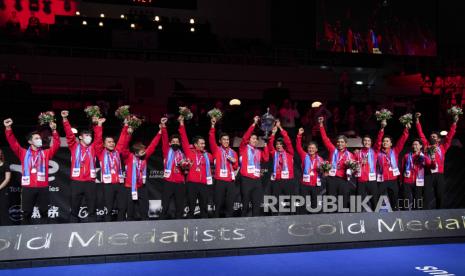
point(298, 144)
point(70, 137)
point(184, 138)
point(271, 148)
point(379, 140)
point(153, 145)
point(56, 141)
point(329, 146)
point(287, 142)
point(450, 136)
point(10, 137)
point(211, 137)
point(236, 160)
point(98, 136)
point(420, 130)
point(401, 142)
point(165, 147)
point(266, 154)
point(430, 163)
point(248, 133)
point(124, 138)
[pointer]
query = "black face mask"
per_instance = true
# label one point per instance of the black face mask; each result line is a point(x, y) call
point(175, 147)
point(141, 157)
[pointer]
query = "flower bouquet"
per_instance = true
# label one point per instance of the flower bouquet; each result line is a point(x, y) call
point(325, 167)
point(215, 113)
point(406, 119)
point(122, 112)
point(93, 111)
point(46, 117)
point(185, 165)
point(383, 115)
point(134, 122)
point(185, 112)
point(455, 112)
point(352, 167)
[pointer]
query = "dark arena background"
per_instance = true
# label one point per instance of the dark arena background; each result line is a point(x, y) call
point(303, 71)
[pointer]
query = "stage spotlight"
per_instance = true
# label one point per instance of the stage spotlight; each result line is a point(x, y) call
point(78, 13)
point(316, 104)
point(324, 67)
point(359, 82)
point(74, 130)
point(102, 15)
point(192, 29)
point(84, 23)
point(160, 27)
point(359, 69)
point(122, 16)
point(157, 18)
point(235, 102)
point(192, 21)
point(100, 24)
point(443, 133)
point(133, 26)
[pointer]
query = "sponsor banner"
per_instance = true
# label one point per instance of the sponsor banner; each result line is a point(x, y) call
point(72, 240)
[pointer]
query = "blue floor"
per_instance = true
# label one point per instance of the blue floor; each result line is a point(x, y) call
point(370, 261)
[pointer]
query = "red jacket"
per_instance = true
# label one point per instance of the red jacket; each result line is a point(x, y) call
point(35, 180)
point(362, 158)
point(289, 157)
point(114, 164)
point(87, 154)
point(316, 160)
point(131, 161)
point(343, 156)
point(198, 171)
point(417, 165)
point(243, 151)
point(175, 175)
point(443, 147)
point(220, 158)
point(385, 172)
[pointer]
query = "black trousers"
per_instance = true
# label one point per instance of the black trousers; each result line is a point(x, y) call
point(251, 190)
point(225, 193)
point(435, 190)
point(137, 209)
point(282, 187)
point(369, 188)
point(337, 186)
point(413, 197)
point(115, 193)
point(313, 192)
point(197, 191)
point(82, 190)
point(176, 190)
point(390, 188)
point(31, 197)
point(4, 206)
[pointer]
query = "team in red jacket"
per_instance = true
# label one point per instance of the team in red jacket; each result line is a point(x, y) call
point(200, 174)
point(83, 168)
point(282, 154)
point(135, 160)
point(415, 165)
point(435, 180)
point(338, 183)
point(226, 163)
point(312, 177)
point(188, 169)
point(251, 156)
point(34, 170)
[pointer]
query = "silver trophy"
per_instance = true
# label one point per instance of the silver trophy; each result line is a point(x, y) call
point(267, 122)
